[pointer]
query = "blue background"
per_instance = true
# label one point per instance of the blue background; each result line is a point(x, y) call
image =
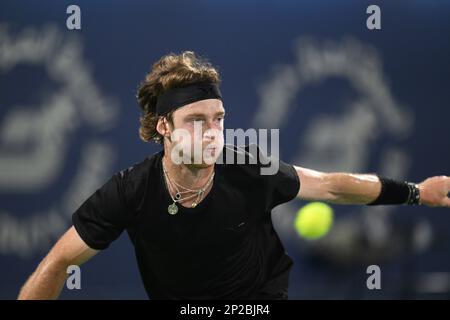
point(247, 40)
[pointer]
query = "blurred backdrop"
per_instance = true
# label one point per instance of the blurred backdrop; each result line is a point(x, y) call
point(344, 97)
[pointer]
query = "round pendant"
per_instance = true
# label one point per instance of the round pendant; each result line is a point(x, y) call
point(172, 209)
point(194, 204)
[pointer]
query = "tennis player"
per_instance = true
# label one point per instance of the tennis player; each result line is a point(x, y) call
point(203, 229)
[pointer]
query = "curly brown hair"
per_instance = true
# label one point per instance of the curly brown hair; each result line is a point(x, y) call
point(170, 71)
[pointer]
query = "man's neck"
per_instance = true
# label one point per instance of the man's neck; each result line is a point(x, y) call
point(189, 176)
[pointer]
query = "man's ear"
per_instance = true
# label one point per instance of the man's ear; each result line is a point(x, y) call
point(163, 127)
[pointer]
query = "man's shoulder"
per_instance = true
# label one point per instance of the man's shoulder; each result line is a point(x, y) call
point(243, 155)
point(140, 169)
point(242, 162)
point(133, 180)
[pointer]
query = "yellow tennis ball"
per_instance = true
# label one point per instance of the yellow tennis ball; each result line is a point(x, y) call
point(314, 220)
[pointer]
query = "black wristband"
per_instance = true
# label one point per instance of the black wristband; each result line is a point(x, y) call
point(396, 192)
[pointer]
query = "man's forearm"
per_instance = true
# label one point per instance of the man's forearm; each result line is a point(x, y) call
point(48, 279)
point(350, 188)
point(45, 283)
point(371, 189)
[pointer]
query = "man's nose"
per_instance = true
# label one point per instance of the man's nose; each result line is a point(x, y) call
point(208, 125)
point(209, 134)
point(211, 131)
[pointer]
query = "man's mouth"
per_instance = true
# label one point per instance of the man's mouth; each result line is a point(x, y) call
point(210, 147)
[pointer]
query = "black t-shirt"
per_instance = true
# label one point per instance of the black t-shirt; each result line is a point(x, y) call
point(224, 248)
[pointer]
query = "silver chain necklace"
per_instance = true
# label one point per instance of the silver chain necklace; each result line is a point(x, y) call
point(173, 208)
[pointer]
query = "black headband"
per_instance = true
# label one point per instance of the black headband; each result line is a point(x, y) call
point(177, 97)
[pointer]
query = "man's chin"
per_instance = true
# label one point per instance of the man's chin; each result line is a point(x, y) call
point(201, 165)
point(205, 162)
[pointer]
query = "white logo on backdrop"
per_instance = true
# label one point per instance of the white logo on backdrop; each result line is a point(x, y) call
point(35, 139)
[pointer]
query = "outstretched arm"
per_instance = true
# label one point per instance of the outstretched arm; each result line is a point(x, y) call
point(349, 188)
point(48, 279)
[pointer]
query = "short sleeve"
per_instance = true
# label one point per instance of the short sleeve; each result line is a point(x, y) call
point(105, 214)
point(282, 185)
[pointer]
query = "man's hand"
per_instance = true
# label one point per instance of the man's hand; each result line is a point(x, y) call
point(434, 191)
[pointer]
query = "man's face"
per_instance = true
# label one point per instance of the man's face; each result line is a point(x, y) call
point(198, 127)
